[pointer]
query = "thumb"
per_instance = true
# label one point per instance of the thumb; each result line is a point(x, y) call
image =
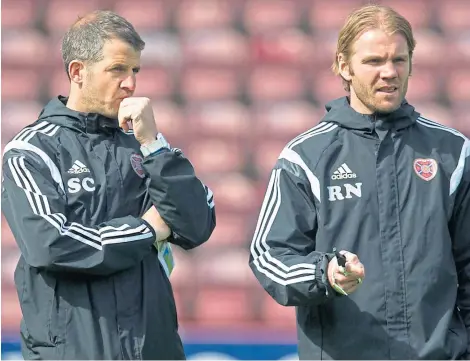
point(124, 125)
point(123, 119)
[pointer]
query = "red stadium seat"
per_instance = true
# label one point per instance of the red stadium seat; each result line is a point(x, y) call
point(222, 266)
point(324, 51)
point(423, 86)
point(231, 229)
point(268, 15)
point(276, 315)
point(221, 47)
point(453, 15)
point(457, 86)
point(11, 315)
point(201, 84)
point(287, 46)
point(171, 122)
point(60, 15)
point(234, 192)
point(266, 155)
point(182, 308)
point(430, 44)
point(419, 13)
point(457, 53)
point(326, 86)
point(20, 84)
point(181, 277)
point(19, 14)
point(54, 58)
point(154, 83)
point(7, 237)
point(285, 120)
point(26, 48)
point(329, 16)
point(222, 119)
point(203, 14)
point(58, 83)
point(143, 14)
point(275, 83)
point(15, 116)
point(213, 156)
point(10, 257)
point(223, 306)
point(436, 113)
point(161, 48)
point(461, 116)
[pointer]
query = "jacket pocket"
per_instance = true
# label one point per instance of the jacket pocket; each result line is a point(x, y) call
point(35, 294)
point(57, 315)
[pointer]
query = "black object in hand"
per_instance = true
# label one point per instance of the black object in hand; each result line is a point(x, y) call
point(341, 259)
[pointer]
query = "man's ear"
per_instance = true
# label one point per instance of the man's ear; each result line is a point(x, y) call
point(77, 71)
point(344, 68)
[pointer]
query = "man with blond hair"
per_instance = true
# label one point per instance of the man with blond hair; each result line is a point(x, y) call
point(375, 188)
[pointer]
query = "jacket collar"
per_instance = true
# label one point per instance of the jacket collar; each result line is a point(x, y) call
point(339, 111)
point(57, 112)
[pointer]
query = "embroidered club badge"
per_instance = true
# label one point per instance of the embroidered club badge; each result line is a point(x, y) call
point(136, 162)
point(425, 168)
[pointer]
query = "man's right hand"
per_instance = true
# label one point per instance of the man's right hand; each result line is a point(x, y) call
point(348, 277)
point(158, 224)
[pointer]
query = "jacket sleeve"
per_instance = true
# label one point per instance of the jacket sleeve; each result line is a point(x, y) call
point(283, 256)
point(34, 204)
point(460, 233)
point(183, 201)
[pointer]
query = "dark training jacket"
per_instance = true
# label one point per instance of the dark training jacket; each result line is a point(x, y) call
point(395, 190)
point(89, 279)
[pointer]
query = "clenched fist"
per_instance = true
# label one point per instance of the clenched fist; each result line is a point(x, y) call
point(138, 110)
point(349, 277)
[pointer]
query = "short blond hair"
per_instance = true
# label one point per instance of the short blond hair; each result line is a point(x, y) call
point(367, 18)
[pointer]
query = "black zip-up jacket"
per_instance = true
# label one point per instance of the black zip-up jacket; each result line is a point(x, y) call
point(395, 190)
point(89, 279)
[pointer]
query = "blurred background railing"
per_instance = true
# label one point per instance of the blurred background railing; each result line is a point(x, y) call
point(232, 81)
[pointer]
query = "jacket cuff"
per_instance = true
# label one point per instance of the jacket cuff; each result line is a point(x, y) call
point(149, 227)
point(321, 276)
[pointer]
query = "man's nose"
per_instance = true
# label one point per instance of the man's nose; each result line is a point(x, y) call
point(129, 83)
point(389, 70)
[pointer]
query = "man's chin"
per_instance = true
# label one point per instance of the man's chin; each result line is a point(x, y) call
point(387, 107)
point(111, 113)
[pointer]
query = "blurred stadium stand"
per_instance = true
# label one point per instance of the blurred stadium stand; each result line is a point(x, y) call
point(232, 81)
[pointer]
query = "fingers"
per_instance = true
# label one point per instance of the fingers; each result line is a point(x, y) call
point(353, 265)
point(347, 284)
point(350, 286)
point(341, 278)
point(349, 277)
point(124, 116)
point(356, 269)
point(350, 257)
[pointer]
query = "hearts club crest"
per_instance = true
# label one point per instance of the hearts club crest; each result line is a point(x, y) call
point(425, 168)
point(136, 162)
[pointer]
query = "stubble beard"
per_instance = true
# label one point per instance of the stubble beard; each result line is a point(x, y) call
point(93, 101)
point(368, 97)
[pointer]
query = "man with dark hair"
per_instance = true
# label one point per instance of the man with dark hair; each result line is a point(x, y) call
point(390, 190)
point(93, 207)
